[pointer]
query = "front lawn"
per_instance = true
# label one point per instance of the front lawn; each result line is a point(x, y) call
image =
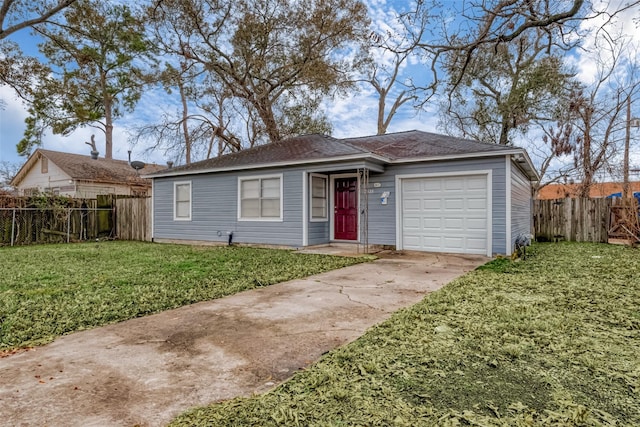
point(50, 290)
point(553, 340)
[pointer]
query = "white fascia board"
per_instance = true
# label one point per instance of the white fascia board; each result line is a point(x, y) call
point(461, 156)
point(364, 156)
point(532, 172)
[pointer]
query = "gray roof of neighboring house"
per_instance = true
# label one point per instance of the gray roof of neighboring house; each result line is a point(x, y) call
point(84, 168)
point(389, 148)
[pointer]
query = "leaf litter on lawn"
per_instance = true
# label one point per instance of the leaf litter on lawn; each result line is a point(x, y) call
point(553, 340)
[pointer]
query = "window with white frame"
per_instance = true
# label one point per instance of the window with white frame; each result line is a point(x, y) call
point(182, 201)
point(260, 198)
point(319, 197)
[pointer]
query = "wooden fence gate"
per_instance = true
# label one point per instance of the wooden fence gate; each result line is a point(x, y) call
point(624, 222)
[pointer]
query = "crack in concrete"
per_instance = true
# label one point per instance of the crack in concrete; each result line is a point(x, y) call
point(360, 302)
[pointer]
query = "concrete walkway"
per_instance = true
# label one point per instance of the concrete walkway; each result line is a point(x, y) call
point(148, 370)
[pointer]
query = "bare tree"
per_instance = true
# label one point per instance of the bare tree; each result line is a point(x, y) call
point(7, 171)
point(594, 119)
point(491, 23)
point(393, 42)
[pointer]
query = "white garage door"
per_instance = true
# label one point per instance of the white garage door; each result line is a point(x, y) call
point(445, 214)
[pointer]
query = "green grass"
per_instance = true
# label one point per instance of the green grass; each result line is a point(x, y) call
point(50, 290)
point(553, 340)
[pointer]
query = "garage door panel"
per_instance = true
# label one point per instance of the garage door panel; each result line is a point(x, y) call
point(432, 227)
point(452, 243)
point(454, 204)
point(477, 244)
point(453, 223)
point(412, 205)
point(430, 186)
point(479, 224)
point(479, 183)
point(413, 223)
point(413, 241)
point(432, 241)
point(477, 203)
point(432, 205)
point(451, 215)
point(452, 184)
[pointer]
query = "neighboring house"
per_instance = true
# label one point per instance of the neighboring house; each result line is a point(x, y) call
point(75, 175)
point(597, 190)
point(410, 190)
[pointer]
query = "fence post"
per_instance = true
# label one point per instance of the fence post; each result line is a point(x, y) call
point(13, 225)
point(68, 223)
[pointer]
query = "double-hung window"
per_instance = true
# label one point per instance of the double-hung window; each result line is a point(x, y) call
point(260, 198)
point(319, 199)
point(182, 201)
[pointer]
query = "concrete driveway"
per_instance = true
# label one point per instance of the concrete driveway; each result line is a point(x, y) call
point(148, 370)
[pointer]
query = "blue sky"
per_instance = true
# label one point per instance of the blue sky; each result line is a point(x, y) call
point(351, 116)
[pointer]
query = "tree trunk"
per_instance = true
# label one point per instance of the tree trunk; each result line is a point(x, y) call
point(185, 124)
point(108, 118)
point(587, 167)
point(266, 114)
point(108, 130)
point(382, 97)
point(504, 132)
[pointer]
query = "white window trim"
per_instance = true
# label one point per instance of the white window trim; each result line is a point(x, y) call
point(326, 197)
point(258, 219)
point(175, 185)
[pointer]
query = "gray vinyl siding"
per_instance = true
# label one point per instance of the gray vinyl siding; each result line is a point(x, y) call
point(214, 210)
point(521, 216)
point(214, 204)
point(382, 218)
point(318, 233)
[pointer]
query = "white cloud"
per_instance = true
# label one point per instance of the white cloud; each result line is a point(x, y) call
point(12, 125)
point(605, 24)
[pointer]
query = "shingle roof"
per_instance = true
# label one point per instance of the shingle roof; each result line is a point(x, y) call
point(402, 146)
point(85, 168)
point(418, 144)
point(307, 147)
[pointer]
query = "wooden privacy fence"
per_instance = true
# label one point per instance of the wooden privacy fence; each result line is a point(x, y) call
point(133, 218)
point(575, 220)
point(43, 219)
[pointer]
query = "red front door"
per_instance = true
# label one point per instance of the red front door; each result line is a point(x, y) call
point(346, 209)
